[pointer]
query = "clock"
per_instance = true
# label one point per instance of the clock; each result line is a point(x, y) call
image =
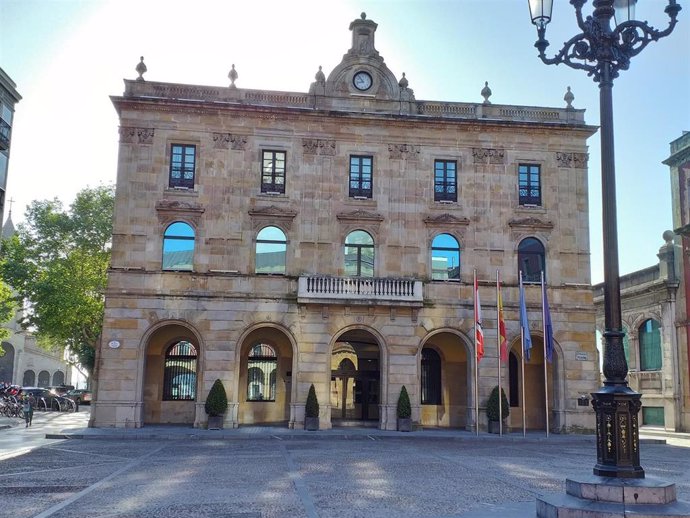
point(362, 81)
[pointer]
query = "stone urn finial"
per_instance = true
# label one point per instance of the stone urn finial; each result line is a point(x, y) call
point(403, 82)
point(320, 76)
point(568, 98)
point(232, 75)
point(141, 69)
point(486, 92)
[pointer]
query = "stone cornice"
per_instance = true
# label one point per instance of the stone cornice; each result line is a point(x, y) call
point(359, 215)
point(272, 211)
point(530, 223)
point(445, 219)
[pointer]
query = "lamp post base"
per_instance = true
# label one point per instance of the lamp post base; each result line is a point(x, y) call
point(618, 434)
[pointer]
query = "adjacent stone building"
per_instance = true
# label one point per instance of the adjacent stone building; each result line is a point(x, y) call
point(275, 240)
point(679, 168)
point(8, 98)
point(648, 308)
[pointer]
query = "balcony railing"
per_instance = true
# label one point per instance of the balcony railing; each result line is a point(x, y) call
point(360, 290)
point(5, 130)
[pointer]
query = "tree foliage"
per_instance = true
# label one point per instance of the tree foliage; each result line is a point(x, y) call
point(57, 263)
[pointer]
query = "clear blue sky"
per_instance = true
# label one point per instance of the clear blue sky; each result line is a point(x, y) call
point(68, 56)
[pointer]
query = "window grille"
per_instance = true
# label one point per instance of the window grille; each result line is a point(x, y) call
point(179, 379)
point(262, 364)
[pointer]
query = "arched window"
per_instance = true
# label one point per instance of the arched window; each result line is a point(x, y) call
point(359, 254)
point(261, 373)
point(29, 379)
point(58, 378)
point(271, 247)
point(531, 259)
point(445, 258)
point(178, 247)
point(431, 377)
point(650, 346)
point(43, 379)
point(179, 377)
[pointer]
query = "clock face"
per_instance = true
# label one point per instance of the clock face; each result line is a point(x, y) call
point(362, 81)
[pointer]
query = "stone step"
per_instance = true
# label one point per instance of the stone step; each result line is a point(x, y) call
point(568, 506)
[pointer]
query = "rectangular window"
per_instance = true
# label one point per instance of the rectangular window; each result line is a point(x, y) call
point(529, 184)
point(182, 165)
point(360, 176)
point(653, 415)
point(445, 180)
point(273, 172)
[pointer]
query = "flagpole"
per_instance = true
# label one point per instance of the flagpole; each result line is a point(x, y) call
point(476, 359)
point(498, 356)
point(546, 380)
point(522, 340)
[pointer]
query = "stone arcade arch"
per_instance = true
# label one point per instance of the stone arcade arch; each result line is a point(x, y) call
point(535, 411)
point(272, 403)
point(160, 408)
point(358, 378)
point(455, 407)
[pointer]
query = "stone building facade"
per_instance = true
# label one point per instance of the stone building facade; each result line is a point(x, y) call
point(8, 98)
point(648, 306)
point(679, 169)
point(275, 240)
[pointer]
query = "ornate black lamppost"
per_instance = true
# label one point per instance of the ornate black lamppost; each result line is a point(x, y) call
point(609, 38)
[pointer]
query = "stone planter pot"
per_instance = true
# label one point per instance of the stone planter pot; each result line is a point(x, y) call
point(311, 423)
point(215, 422)
point(404, 424)
point(494, 428)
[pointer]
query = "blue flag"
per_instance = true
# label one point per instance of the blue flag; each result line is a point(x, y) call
point(548, 328)
point(524, 325)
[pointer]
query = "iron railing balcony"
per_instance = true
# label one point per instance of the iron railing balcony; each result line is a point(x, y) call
point(360, 290)
point(5, 132)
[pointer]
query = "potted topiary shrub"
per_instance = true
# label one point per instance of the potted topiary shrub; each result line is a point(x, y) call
point(216, 405)
point(492, 409)
point(311, 411)
point(404, 411)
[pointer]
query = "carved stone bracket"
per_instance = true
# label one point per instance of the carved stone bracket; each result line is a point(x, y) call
point(227, 140)
point(488, 155)
point(572, 160)
point(272, 214)
point(169, 210)
point(312, 146)
point(403, 151)
point(530, 224)
point(129, 135)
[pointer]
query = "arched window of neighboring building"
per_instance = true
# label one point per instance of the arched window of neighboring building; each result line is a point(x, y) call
point(58, 378)
point(513, 380)
point(179, 376)
point(531, 259)
point(359, 254)
point(178, 247)
point(262, 364)
point(650, 345)
point(271, 247)
point(445, 258)
point(43, 379)
point(29, 379)
point(431, 377)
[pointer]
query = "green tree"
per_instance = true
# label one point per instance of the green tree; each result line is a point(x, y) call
point(57, 262)
point(7, 309)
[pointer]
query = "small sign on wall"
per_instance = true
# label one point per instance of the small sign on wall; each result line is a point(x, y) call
point(581, 357)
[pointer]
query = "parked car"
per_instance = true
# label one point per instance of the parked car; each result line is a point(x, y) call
point(80, 396)
point(61, 390)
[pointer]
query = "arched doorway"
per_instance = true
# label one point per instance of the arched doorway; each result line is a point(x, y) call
point(264, 390)
point(355, 378)
point(444, 381)
point(171, 376)
point(7, 363)
point(535, 402)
